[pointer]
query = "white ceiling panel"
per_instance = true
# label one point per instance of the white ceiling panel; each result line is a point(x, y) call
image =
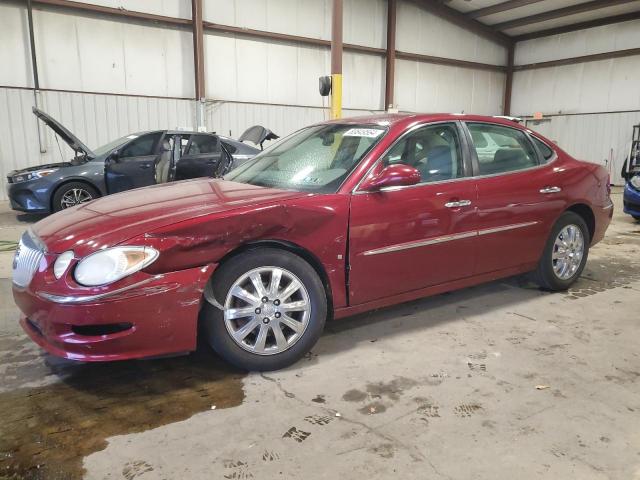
point(527, 11)
point(572, 19)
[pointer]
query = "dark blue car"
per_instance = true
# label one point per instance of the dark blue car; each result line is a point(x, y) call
point(632, 197)
point(136, 160)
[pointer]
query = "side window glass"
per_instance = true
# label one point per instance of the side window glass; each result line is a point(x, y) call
point(141, 146)
point(203, 144)
point(501, 149)
point(184, 141)
point(544, 149)
point(230, 148)
point(434, 151)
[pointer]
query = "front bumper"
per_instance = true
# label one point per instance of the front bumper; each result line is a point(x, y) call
point(32, 196)
point(156, 316)
point(631, 199)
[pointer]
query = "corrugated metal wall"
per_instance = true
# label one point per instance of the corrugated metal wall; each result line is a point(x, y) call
point(598, 102)
point(601, 138)
point(248, 81)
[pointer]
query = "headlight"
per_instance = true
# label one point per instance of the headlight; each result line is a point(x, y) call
point(635, 181)
point(23, 177)
point(62, 263)
point(112, 264)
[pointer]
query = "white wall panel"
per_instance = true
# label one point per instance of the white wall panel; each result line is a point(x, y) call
point(608, 38)
point(91, 54)
point(14, 36)
point(419, 31)
point(231, 118)
point(251, 70)
point(595, 138)
point(425, 87)
point(95, 119)
point(168, 8)
point(308, 18)
point(605, 85)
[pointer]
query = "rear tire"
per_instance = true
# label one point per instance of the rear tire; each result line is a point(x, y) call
point(560, 266)
point(263, 326)
point(636, 218)
point(72, 194)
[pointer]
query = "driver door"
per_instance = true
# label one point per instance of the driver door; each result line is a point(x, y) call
point(134, 165)
point(408, 238)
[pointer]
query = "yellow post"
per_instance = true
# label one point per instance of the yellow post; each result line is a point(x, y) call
point(336, 96)
point(336, 60)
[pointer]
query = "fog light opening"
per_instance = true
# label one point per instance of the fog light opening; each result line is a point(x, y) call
point(99, 330)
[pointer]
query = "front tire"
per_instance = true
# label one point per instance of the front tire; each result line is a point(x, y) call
point(274, 307)
point(565, 253)
point(72, 194)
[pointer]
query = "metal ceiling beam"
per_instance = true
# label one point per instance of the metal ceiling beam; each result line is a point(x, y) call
point(560, 12)
point(460, 19)
point(625, 17)
point(500, 7)
point(452, 62)
point(574, 60)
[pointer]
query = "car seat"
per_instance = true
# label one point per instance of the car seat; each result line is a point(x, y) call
point(164, 162)
point(439, 165)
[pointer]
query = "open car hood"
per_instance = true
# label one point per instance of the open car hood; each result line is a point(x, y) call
point(257, 135)
point(62, 131)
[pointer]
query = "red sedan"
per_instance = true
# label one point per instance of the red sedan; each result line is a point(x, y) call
point(338, 218)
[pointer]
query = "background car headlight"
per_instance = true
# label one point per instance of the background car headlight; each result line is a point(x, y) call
point(62, 263)
point(635, 181)
point(112, 264)
point(23, 177)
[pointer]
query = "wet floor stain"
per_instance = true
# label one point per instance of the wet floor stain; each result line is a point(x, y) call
point(46, 431)
point(600, 276)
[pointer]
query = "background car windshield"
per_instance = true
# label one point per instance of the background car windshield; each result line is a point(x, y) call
point(316, 159)
point(113, 144)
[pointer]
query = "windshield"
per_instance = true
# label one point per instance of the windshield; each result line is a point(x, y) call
point(113, 144)
point(315, 159)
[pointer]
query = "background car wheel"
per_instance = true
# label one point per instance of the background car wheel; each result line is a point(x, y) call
point(565, 253)
point(636, 218)
point(274, 309)
point(72, 194)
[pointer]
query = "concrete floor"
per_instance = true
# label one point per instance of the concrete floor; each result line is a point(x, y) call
point(497, 381)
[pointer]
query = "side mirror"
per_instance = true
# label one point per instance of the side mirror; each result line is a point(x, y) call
point(397, 175)
point(115, 156)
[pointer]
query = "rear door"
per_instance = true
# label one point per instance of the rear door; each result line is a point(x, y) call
point(413, 237)
point(519, 196)
point(134, 165)
point(200, 158)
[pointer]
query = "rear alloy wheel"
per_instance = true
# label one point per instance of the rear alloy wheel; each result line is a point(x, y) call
point(264, 309)
point(565, 253)
point(72, 194)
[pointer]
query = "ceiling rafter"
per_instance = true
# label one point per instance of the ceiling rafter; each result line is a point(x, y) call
point(460, 19)
point(574, 27)
point(500, 7)
point(559, 13)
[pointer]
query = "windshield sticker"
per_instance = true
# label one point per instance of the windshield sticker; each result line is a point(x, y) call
point(363, 132)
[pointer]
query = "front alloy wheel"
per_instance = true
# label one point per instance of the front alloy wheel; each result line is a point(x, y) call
point(267, 310)
point(264, 309)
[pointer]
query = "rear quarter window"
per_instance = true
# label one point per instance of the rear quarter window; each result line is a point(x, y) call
point(545, 150)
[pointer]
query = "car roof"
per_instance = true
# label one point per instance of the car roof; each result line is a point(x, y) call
point(399, 119)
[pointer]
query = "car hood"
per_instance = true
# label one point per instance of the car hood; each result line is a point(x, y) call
point(39, 167)
point(116, 218)
point(62, 131)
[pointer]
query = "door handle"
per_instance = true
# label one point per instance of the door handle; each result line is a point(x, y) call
point(144, 166)
point(550, 190)
point(458, 203)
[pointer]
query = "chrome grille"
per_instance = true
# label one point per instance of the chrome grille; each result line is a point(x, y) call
point(27, 258)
